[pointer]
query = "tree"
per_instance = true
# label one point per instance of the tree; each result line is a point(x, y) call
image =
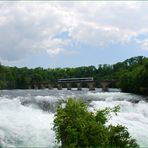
point(75, 127)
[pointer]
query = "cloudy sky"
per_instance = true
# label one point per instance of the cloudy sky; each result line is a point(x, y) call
point(71, 34)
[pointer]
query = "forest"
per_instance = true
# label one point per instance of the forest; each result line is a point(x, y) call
point(131, 75)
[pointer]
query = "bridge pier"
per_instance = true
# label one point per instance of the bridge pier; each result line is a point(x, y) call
point(59, 87)
point(68, 86)
point(29, 87)
point(35, 87)
point(104, 85)
point(79, 87)
point(49, 86)
point(91, 86)
point(42, 86)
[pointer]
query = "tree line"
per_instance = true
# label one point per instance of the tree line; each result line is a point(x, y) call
point(131, 75)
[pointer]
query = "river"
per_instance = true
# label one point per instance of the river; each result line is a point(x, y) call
point(26, 116)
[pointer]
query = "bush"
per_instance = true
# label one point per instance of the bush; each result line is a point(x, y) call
point(75, 127)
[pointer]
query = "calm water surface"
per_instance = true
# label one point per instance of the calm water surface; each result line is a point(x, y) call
point(26, 116)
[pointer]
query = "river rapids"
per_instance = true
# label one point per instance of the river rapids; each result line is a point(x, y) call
point(26, 116)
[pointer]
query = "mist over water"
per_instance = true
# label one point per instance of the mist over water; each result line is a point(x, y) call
point(26, 116)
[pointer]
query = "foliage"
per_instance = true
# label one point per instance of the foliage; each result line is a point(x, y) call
point(75, 127)
point(119, 137)
point(135, 80)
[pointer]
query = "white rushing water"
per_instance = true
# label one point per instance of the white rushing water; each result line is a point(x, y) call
point(24, 126)
point(26, 116)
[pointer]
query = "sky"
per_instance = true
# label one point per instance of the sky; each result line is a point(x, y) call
point(54, 34)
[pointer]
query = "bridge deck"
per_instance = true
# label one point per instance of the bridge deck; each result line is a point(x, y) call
point(75, 80)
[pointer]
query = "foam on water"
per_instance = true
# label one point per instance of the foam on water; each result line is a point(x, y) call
point(110, 96)
point(133, 116)
point(24, 126)
point(25, 120)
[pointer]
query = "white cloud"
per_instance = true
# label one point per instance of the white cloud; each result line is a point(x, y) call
point(143, 44)
point(111, 22)
point(52, 46)
point(71, 52)
point(28, 27)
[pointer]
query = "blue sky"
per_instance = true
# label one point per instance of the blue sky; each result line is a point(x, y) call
point(72, 34)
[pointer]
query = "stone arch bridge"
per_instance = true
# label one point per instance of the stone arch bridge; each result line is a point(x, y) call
point(68, 82)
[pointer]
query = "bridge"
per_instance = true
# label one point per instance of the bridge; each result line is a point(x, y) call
point(78, 82)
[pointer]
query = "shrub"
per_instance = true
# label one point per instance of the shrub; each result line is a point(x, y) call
point(76, 127)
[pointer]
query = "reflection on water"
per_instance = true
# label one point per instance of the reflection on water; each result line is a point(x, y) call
point(26, 116)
